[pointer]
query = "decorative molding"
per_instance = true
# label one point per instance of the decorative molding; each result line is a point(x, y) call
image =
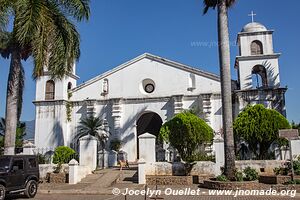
point(206, 102)
point(257, 57)
point(178, 104)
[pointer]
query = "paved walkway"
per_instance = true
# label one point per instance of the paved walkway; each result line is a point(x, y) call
point(114, 181)
point(98, 183)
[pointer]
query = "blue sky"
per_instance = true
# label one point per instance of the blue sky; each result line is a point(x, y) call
point(120, 30)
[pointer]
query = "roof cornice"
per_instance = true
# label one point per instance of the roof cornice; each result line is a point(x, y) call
point(257, 57)
point(151, 57)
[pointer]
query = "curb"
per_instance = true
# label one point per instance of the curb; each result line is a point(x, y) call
point(74, 192)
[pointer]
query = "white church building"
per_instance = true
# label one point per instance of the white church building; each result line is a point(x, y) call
point(143, 93)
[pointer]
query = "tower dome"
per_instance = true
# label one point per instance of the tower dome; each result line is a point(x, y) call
point(254, 27)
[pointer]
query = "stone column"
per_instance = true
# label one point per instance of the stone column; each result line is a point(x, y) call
point(28, 149)
point(178, 104)
point(218, 144)
point(73, 172)
point(206, 107)
point(142, 171)
point(103, 159)
point(112, 158)
point(147, 147)
point(88, 151)
point(295, 148)
point(117, 116)
point(90, 107)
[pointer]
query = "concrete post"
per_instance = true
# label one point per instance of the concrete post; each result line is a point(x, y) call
point(295, 148)
point(112, 158)
point(103, 159)
point(218, 145)
point(88, 151)
point(147, 147)
point(142, 171)
point(73, 172)
point(28, 149)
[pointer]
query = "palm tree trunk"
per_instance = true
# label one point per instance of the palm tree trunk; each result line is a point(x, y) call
point(224, 59)
point(12, 100)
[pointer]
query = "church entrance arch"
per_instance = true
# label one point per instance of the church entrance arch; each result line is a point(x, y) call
point(149, 122)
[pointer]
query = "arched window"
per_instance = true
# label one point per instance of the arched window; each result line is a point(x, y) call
point(256, 48)
point(69, 86)
point(50, 90)
point(259, 77)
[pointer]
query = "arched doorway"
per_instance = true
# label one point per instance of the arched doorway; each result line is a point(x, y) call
point(149, 122)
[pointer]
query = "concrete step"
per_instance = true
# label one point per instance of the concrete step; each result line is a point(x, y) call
point(128, 176)
point(107, 179)
point(91, 178)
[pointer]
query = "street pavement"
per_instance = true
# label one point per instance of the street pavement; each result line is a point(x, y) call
point(111, 197)
point(104, 183)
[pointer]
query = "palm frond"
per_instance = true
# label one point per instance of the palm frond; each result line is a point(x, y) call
point(27, 20)
point(78, 9)
point(90, 126)
point(5, 44)
point(56, 44)
point(5, 12)
point(214, 3)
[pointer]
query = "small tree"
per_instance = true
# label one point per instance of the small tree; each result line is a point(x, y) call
point(62, 155)
point(186, 132)
point(259, 126)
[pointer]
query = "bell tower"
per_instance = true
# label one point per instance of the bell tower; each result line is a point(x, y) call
point(48, 89)
point(258, 69)
point(257, 64)
point(51, 107)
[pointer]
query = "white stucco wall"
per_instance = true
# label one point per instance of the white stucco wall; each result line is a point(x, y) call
point(272, 69)
point(265, 38)
point(126, 83)
point(53, 129)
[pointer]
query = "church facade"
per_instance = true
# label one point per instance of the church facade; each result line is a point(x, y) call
point(143, 93)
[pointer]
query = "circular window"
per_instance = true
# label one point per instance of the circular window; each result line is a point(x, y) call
point(149, 88)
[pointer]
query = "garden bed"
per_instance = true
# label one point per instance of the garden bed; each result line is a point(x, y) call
point(57, 178)
point(169, 180)
point(230, 185)
point(275, 179)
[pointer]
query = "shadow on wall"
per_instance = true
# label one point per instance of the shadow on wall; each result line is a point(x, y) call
point(168, 107)
point(130, 122)
point(271, 74)
point(271, 77)
point(57, 138)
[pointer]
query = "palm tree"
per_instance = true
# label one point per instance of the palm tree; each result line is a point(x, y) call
point(41, 29)
point(224, 60)
point(94, 126)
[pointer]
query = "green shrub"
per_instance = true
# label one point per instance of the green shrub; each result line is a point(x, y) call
point(63, 154)
point(296, 165)
point(239, 176)
point(222, 178)
point(295, 182)
point(186, 132)
point(115, 145)
point(250, 174)
point(201, 157)
point(42, 158)
point(259, 126)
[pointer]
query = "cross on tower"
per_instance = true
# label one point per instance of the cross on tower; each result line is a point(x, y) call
point(252, 15)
